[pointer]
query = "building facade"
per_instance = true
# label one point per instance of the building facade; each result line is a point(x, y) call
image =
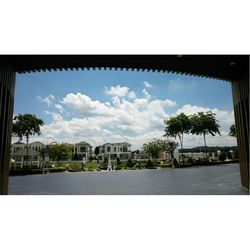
point(83, 150)
point(19, 154)
point(115, 150)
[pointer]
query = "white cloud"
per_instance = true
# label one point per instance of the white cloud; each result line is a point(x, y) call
point(81, 104)
point(117, 91)
point(59, 107)
point(147, 95)
point(136, 120)
point(132, 95)
point(49, 100)
point(133, 120)
point(55, 116)
point(147, 84)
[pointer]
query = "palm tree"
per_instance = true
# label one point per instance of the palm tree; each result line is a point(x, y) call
point(232, 131)
point(25, 126)
point(204, 124)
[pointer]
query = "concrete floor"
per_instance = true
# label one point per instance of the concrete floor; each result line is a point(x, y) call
point(203, 180)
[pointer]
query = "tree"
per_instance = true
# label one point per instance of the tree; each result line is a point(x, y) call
point(59, 152)
point(232, 131)
point(153, 148)
point(178, 126)
point(24, 126)
point(97, 152)
point(204, 124)
point(42, 152)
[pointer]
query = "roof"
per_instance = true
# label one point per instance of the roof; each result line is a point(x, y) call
point(18, 143)
point(224, 67)
point(82, 142)
point(36, 142)
point(118, 144)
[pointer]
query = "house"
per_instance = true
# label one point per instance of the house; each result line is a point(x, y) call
point(120, 150)
point(83, 150)
point(20, 157)
point(17, 146)
point(19, 153)
point(36, 146)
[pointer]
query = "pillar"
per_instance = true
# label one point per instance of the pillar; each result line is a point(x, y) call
point(240, 90)
point(7, 88)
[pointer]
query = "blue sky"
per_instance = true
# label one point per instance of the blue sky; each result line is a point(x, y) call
point(107, 105)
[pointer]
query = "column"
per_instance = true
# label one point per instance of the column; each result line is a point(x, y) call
point(240, 89)
point(7, 85)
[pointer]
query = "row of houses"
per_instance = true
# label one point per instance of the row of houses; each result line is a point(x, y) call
point(80, 151)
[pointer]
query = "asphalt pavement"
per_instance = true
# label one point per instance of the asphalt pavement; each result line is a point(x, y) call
point(201, 180)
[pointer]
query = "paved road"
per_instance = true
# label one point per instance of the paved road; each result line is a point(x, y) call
point(204, 180)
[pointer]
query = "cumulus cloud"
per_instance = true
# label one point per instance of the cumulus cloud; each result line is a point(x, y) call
point(132, 95)
point(124, 118)
point(59, 107)
point(49, 100)
point(81, 104)
point(146, 94)
point(147, 84)
point(117, 91)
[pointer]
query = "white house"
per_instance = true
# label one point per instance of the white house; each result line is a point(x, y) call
point(19, 153)
point(120, 150)
point(17, 146)
point(36, 146)
point(83, 150)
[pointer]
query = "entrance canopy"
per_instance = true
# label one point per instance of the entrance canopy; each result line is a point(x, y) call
point(224, 67)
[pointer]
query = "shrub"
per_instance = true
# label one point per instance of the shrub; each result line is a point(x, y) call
point(75, 169)
point(129, 164)
point(118, 161)
point(57, 169)
point(222, 157)
point(105, 160)
point(103, 166)
point(150, 164)
point(118, 167)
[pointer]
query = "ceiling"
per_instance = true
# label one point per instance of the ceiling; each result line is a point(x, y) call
point(224, 67)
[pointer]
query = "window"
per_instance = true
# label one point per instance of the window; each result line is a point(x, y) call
point(82, 149)
point(108, 149)
point(114, 149)
point(125, 149)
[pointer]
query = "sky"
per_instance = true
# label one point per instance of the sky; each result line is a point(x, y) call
point(100, 106)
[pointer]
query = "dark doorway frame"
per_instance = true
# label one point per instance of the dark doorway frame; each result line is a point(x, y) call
point(232, 68)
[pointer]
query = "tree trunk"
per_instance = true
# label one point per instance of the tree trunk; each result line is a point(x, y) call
point(27, 151)
point(204, 136)
point(181, 142)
